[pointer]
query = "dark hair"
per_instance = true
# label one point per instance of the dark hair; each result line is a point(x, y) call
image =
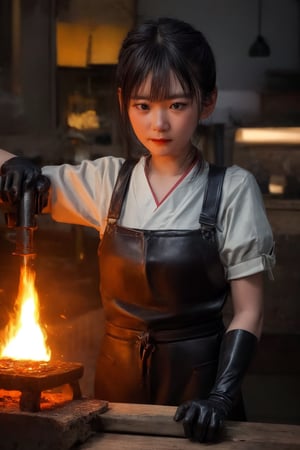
point(160, 47)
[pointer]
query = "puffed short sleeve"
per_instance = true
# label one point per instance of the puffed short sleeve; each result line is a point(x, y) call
point(245, 237)
point(80, 194)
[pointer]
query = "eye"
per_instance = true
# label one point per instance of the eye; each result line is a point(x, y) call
point(178, 106)
point(142, 106)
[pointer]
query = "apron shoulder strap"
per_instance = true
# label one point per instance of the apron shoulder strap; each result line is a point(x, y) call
point(120, 189)
point(212, 196)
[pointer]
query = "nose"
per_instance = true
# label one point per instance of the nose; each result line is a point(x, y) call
point(160, 120)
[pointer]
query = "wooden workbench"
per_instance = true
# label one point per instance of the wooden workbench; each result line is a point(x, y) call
point(151, 427)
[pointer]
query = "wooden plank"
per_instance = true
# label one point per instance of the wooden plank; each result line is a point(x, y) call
point(158, 420)
point(135, 418)
point(110, 441)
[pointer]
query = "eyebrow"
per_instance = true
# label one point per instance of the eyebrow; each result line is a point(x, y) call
point(169, 97)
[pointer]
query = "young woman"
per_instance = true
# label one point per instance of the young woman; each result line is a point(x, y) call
point(177, 235)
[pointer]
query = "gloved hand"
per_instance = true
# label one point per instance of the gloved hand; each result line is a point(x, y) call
point(203, 420)
point(19, 174)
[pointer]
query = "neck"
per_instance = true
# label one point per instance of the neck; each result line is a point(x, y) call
point(171, 166)
point(164, 173)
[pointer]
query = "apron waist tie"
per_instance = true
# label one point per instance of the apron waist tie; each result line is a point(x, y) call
point(146, 336)
point(147, 347)
point(147, 340)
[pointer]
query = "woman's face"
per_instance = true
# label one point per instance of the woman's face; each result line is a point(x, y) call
point(164, 127)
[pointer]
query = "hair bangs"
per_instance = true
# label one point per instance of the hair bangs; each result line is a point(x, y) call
point(161, 68)
point(161, 82)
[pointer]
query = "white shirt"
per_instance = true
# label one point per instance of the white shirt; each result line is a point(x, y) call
point(81, 195)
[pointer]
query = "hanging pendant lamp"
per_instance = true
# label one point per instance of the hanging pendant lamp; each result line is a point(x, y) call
point(259, 48)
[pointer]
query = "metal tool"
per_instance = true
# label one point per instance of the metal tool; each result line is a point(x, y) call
point(24, 222)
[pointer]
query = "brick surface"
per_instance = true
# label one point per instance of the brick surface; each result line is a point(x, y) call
point(59, 428)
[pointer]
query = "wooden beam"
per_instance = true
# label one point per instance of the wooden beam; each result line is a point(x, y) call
point(110, 441)
point(155, 420)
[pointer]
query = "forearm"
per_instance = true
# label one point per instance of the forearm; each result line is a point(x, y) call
point(4, 156)
point(247, 300)
point(247, 322)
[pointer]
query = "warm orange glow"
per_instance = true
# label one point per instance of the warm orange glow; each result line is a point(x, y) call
point(25, 338)
point(86, 120)
point(73, 39)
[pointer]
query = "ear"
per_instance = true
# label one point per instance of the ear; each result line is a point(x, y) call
point(209, 105)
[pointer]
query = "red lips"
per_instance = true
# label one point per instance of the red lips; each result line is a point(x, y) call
point(161, 141)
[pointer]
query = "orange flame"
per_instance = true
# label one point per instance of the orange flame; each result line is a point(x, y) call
point(25, 337)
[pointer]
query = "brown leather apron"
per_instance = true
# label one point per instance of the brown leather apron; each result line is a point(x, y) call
point(163, 292)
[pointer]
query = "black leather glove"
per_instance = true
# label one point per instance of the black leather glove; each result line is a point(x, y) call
point(19, 174)
point(203, 420)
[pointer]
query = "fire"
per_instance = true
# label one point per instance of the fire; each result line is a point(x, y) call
point(25, 337)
